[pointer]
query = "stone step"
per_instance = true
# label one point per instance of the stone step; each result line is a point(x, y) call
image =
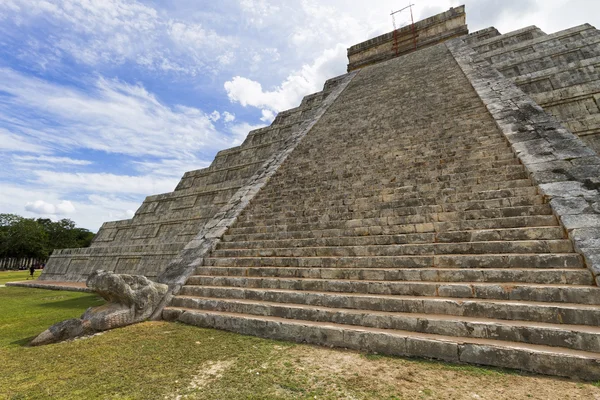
point(386, 207)
point(412, 225)
point(286, 189)
point(498, 247)
point(433, 147)
point(478, 261)
point(389, 204)
point(309, 238)
point(428, 131)
point(548, 55)
point(576, 337)
point(541, 43)
point(402, 177)
point(534, 358)
point(573, 276)
point(401, 173)
point(447, 164)
point(518, 310)
point(337, 197)
point(436, 168)
point(437, 222)
point(578, 294)
point(401, 197)
point(402, 216)
point(390, 152)
point(410, 198)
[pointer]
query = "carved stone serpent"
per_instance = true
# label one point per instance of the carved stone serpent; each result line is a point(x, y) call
point(130, 299)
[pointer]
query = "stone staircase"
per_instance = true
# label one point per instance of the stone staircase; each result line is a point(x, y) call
point(404, 224)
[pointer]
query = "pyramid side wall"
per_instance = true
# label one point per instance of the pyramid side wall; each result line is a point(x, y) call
point(165, 223)
point(566, 170)
point(197, 250)
point(561, 72)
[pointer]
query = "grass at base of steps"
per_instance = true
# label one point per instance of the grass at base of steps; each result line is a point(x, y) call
point(160, 360)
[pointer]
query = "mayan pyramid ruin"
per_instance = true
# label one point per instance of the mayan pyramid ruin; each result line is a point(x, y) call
point(439, 200)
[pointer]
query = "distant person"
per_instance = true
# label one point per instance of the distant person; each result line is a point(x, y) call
point(31, 271)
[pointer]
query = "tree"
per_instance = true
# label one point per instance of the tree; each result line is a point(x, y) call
point(84, 237)
point(30, 238)
point(61, 234)
point(25, 238)
point(6, 221)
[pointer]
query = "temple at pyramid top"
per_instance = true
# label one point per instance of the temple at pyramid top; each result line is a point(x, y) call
point(424, 33)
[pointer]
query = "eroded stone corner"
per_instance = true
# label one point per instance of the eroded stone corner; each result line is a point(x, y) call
point(565, 169)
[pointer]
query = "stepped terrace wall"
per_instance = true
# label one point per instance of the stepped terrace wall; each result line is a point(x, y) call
point(165, 223)
point(560, 71)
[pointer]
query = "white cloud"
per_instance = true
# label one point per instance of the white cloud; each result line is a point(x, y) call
point(90, 211)
point(240, 131)
point(201, 45)
point(49, 161)
point(41, 207)
point(226, 58)
point(174, 168)
point(65, 207)
point(214, 116)
point(104, 182)
point(258, 11)
point(113, 116)
point(44, 208)
point(16, 143)
point(309, 79)
point(228, 117)
point(95, 32)
point(267, 116)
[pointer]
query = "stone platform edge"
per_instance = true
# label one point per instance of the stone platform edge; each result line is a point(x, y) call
point(536, 359)
point(51, 285)
point(565, 169)
point(193, 254)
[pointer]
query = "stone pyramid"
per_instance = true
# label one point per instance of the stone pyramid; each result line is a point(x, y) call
point(440, 200)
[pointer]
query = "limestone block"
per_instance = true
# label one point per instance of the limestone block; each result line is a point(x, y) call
point(570, 205)
point(581, 221)
point(567, 189)
point(587, 237)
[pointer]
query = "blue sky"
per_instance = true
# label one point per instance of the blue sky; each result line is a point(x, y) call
point(103, 102)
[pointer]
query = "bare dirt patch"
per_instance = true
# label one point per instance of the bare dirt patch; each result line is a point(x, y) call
point(350, 375)
point(208, 374)
point(211, 372)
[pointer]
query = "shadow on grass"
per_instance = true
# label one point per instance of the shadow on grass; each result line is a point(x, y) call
point(23, 342)
point(74, 303)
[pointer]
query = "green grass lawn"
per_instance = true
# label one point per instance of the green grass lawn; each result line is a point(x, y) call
point(160, 360)
point(14, 276)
